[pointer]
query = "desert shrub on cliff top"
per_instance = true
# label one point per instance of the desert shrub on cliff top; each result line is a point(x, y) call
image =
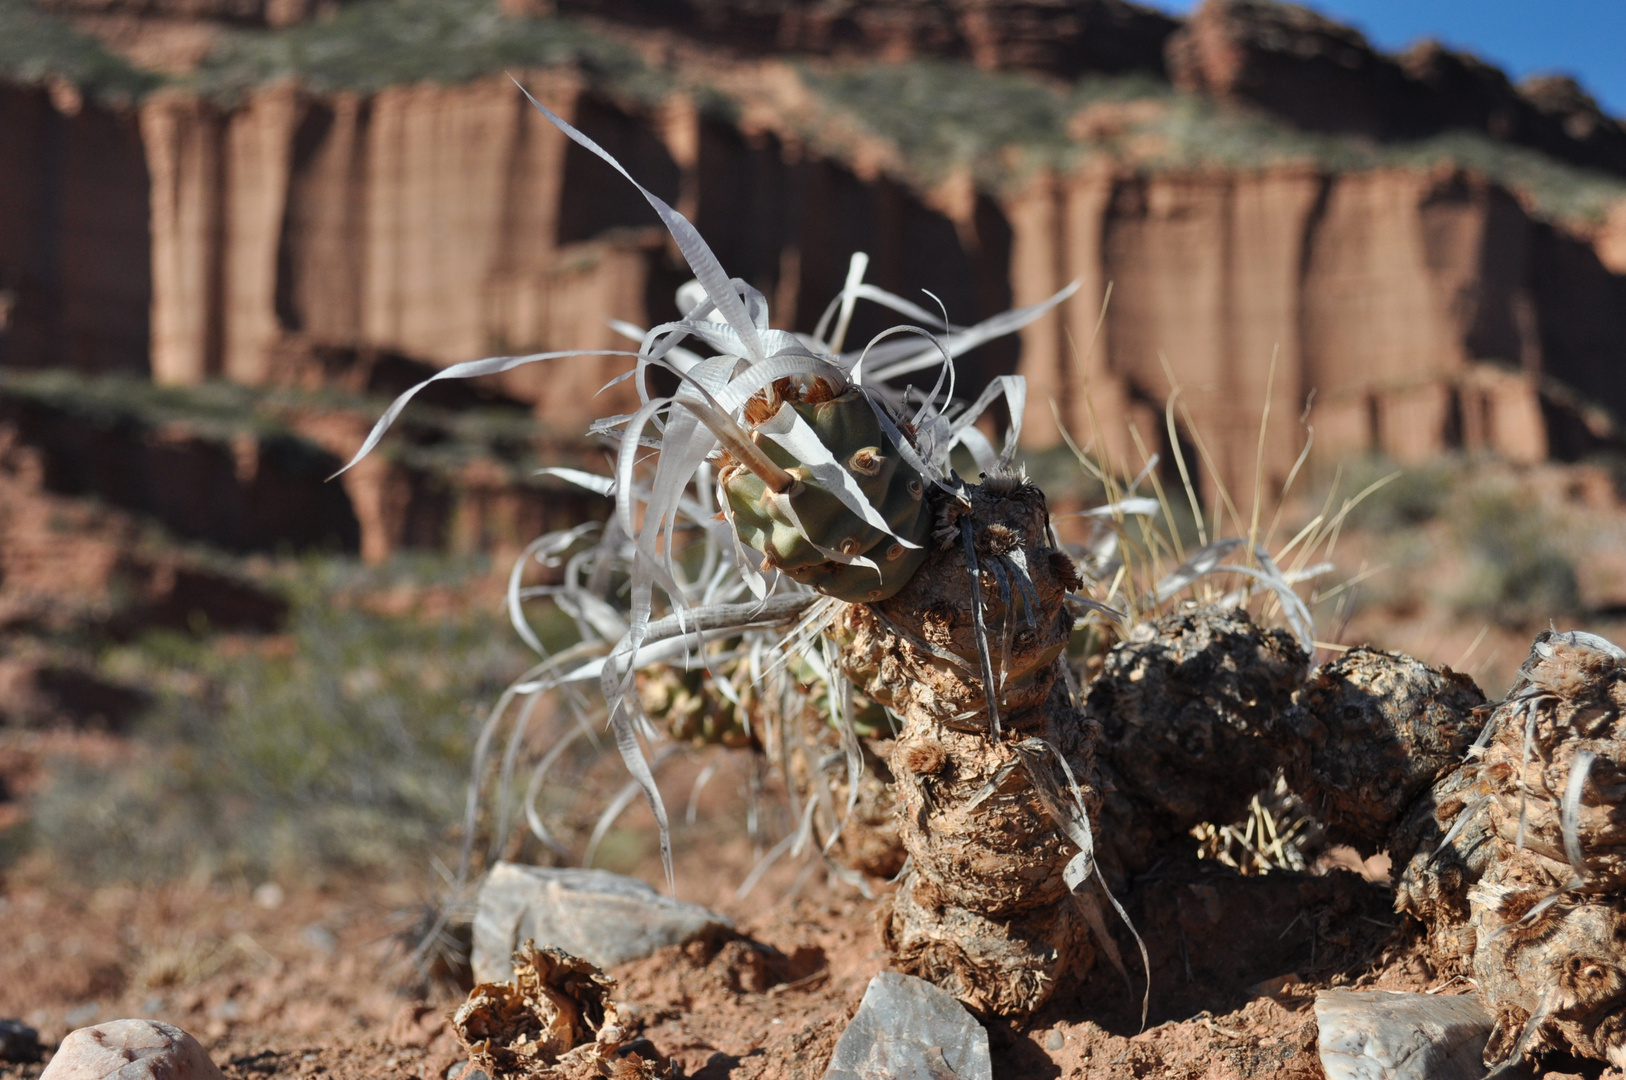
point(1415, 495)
point(942, 115)
point(1470, 534)
point(372, 44)
point(36, 47)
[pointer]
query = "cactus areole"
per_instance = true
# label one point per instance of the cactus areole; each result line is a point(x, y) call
point(805, 530)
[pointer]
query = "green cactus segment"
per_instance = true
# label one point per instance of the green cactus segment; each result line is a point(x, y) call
point(691, 709)
point(791, 527)
point(869, 717)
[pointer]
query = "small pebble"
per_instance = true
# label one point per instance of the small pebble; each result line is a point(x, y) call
point(1055, 1041)
point(319, 938)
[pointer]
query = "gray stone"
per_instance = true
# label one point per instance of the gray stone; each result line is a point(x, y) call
point(602, 917)
point(1383, 1035)
point(908, 1029)
point(130, 1050)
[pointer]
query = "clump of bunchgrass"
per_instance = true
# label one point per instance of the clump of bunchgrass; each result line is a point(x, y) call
point(1155, 543)
point(1278, 833)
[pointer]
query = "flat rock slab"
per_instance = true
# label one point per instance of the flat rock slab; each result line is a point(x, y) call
point(908, 1029)
point(602, 917)
point(1383, 1035)
point(130, 1050)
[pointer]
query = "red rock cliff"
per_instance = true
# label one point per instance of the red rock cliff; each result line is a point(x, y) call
point(1383, 292)
point(447, 223)
point(441, 223)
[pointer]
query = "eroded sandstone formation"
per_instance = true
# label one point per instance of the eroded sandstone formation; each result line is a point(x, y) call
point(1425, 309)
point(1325, 76)
point(1381, 290)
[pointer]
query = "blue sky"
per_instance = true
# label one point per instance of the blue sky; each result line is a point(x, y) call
point(1583, 38)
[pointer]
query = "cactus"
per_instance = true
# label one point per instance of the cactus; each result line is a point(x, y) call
point(842, 483)
point(806, 531)
point(687, 703)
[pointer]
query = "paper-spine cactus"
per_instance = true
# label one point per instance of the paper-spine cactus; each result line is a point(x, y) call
point(803, 528)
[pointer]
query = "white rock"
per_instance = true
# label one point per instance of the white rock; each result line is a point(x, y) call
point(1383, 1035)
point(908, 1029)
point(130, 1050)
point(602, 917)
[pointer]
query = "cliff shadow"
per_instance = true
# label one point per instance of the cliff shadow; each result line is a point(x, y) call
point(593, 200)
point(75, 265)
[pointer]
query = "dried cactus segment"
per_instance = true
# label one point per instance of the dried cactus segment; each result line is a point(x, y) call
point(1441, 848)
point(870, 842)
point(816, 764)
point(1193, 708)
point(1519, 871)
point(1560, 738)
point(1380, 728)
point(807, 530)
point(1555, 982)
point(556, 1020)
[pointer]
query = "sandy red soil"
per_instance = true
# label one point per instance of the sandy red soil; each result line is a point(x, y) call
point(316, 981)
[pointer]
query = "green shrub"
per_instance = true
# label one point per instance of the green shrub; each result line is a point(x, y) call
point(371, 44)
point(1416, 496)
point(1518, 573)
point(438, 441)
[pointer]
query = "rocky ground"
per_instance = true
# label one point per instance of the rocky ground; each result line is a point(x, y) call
point(283, 972)
point(317, 980)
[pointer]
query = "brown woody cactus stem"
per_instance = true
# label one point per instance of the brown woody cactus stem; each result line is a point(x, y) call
point(984, 911)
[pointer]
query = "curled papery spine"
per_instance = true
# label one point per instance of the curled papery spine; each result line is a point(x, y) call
point(737, 442)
